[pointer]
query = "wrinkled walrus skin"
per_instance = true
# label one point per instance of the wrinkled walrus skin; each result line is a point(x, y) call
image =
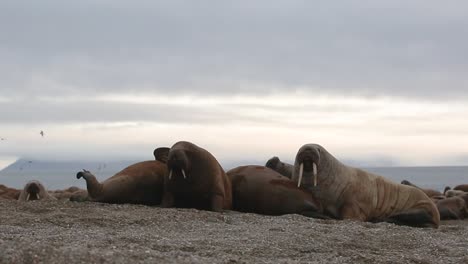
point(350, 193)
point(140, 183)
point(34, 190)
point(282, 168)
point(261, 190)
point(195, 180)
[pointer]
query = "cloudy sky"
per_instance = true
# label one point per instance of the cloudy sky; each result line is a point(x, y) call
point(375, 82)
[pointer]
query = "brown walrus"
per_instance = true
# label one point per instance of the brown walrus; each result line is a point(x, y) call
point(140, 183)
point(67, 193)
point(195, 180)
point(282, 168)
point(350, 193)
point(450, 193)
point(9, 193)
point(452, 208)
point(428, 192)
point(461, 187)
point(34, 190)
point(261, 190)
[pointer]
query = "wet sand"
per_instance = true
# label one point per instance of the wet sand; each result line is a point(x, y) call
point(69, 232)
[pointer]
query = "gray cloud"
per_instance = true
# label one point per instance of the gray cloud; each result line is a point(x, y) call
point(355, 47)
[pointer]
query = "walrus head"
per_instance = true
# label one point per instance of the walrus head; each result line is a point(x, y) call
point(161, 154)
point(33, 190)
point(307, 158)
point(81, 174)
point(178, 164)
point(272, 163)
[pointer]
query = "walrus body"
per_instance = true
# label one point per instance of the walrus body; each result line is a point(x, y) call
point(34, 190)
point(452, 208)
point(195, 180)
point(261, 190)
point(282, 168)
point(66, 194)
point(9, 193)
point(461, 187)
point(350, 193)
point(140, 183)
point(428, 192)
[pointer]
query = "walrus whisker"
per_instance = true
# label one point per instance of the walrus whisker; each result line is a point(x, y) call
point(170, 174)
point(183, 173)
point(314, 166)
point(301, 170)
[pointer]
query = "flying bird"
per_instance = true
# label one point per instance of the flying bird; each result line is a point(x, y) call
point(42, 133)
point(2, 138)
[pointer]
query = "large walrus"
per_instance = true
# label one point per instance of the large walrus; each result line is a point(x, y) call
point(140, 183)
point(34, 190)
point(9, 193)
point(195, 180)
point(452, 208)
point(428, 192)
point(350, 193)
point(282, 168)
point(261, 190)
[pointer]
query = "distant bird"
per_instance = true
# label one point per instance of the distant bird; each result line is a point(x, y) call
point(42, 133)
point(2, 138)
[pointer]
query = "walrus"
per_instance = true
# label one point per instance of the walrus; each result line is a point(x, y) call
point(65, 194)
point(9, 193)
point(452, 208)
point(450, 193)
point(282, 168)
point(195, 180)
point(139, 183)
point(461, 187)
point(351, 193)
point(261, 190)
point(428, 192)
point(34, 190)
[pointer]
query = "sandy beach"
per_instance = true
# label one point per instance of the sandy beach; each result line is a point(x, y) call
point(70, 232)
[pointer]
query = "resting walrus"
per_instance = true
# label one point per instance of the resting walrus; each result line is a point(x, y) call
point(9, 193)
point(350, 193)
point(452, 208)
point(140, 183)
point(195, 180)
point(282, 168)
point(34, 190)
point(428, 192)
point(461, 187)
point(261, 190)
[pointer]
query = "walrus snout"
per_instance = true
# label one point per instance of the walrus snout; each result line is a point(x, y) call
point(177, 163)
point(33, 188)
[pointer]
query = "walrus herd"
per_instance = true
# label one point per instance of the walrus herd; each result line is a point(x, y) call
point(318, 185)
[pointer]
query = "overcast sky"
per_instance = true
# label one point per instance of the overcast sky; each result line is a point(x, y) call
point(375, 82)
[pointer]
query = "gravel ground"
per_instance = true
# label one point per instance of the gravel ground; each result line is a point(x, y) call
point(68, 232)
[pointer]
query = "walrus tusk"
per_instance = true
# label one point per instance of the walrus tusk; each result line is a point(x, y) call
point(183, 173)
point(27, 197)
point(38, 197)
point(301, 170)
point(170, 174)
point(314, 166)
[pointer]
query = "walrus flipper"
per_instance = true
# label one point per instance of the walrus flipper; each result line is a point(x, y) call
point(415, 217)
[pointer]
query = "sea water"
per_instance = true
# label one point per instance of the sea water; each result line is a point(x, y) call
point(65, 176)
